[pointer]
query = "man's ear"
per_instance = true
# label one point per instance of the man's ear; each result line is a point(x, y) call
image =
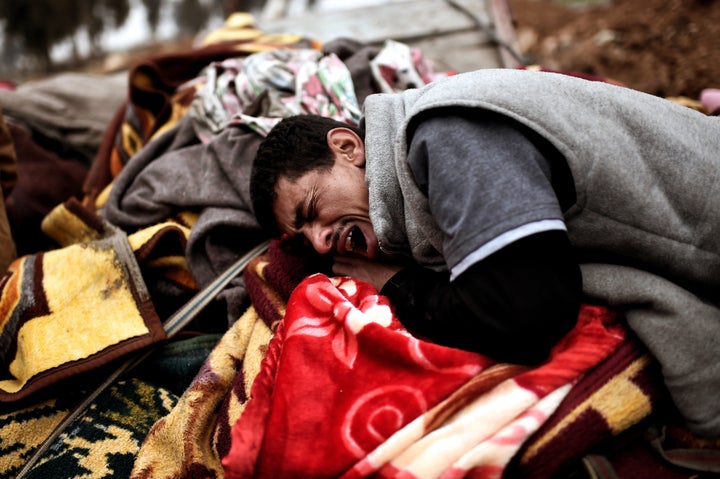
point(346, 145)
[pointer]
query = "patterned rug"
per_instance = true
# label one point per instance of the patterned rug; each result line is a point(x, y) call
point(102, 443)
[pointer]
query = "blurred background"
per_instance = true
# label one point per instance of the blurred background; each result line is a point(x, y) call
point(38, 37)
point(663, 47)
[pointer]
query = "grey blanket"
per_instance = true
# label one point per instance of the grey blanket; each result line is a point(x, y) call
point(175, 173)
point(72, 109)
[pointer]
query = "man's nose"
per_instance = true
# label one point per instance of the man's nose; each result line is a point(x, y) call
point(320, 236)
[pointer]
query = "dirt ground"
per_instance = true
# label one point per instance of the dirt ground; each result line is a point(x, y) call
point(663, 47)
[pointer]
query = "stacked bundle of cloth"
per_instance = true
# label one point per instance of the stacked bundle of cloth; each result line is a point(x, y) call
point(290, 372)
point(56, 126)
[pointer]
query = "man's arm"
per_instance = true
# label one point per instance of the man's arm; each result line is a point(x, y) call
point(512, 306)
point(496, 191)
point(495, 195)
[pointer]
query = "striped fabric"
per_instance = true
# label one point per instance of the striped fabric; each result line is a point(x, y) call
point(72, 309)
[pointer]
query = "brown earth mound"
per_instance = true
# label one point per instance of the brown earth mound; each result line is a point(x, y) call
point(663, 47)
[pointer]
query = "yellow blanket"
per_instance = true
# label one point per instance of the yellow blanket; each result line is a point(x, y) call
point(72, 309)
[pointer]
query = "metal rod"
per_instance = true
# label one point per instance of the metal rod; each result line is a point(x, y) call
point(489, 30)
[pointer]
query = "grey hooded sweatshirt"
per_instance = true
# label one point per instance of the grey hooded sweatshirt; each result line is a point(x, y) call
point(646, 173)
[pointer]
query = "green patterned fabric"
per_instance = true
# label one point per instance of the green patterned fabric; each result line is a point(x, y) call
point(102, 443)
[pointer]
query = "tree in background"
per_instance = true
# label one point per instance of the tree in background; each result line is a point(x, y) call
point(100, 15)
point(29, 29)
point(152, 8)
point(34, 27)
point(193, 15)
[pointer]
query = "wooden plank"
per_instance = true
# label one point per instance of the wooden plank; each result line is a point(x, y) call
point(400, 21)
point(502, 21)
point(460, 52)
point(446, 35)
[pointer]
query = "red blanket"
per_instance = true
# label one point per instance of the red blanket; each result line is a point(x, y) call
point(345, 391)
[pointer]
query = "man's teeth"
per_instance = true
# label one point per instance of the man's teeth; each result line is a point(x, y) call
point(355, 240)
point(349, 240)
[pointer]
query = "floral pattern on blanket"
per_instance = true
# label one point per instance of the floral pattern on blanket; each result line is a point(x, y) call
point(345, 391)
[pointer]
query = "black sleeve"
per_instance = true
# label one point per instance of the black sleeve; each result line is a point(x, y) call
point(513, 306)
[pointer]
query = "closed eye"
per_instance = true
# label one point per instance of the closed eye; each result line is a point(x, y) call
point(306, 212)
point(312, 208)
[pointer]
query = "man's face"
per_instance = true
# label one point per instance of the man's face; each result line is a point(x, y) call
point(330, 208)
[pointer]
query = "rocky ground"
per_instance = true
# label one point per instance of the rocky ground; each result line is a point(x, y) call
point(663, 47)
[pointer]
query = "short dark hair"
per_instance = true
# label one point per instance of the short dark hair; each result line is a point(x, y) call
point(295, 146)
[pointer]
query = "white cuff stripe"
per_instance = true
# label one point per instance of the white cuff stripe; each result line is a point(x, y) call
point(503, 240)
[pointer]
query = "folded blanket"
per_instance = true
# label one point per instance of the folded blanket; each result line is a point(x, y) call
point(266, 87)
point(344, 390)
point(69, 110)
point(618, 394)
point(73, 309)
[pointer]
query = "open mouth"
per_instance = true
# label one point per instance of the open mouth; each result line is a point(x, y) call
point(355, 241)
